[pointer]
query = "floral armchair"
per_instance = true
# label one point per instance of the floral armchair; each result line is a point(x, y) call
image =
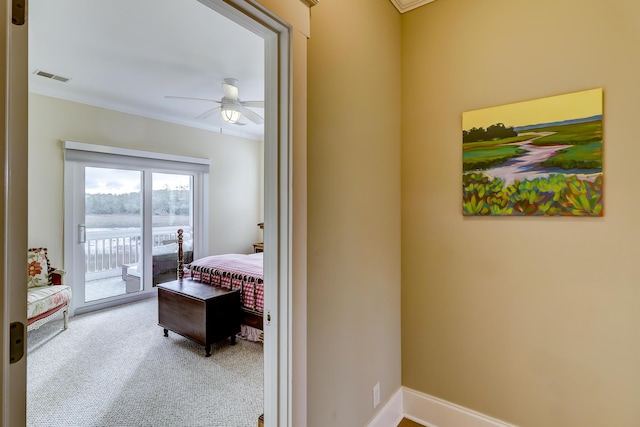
point(46, 295)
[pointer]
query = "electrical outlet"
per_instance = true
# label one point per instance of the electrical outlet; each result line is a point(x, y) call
point(376, 395)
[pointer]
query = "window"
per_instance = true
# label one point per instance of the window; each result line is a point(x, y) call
point(123, 209)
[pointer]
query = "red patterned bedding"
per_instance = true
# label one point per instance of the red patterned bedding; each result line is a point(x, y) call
point(233, 271)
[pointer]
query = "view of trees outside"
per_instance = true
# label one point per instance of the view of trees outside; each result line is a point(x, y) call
point(113, 198)
point(171, 201)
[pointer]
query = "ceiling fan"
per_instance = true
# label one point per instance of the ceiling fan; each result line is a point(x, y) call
point(231, 107)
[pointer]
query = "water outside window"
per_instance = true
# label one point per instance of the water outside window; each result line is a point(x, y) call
point(113, 232)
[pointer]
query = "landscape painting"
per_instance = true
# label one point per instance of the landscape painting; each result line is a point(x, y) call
point(535, 158)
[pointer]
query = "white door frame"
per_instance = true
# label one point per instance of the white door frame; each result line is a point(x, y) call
point(12, 284)
point(278, 204)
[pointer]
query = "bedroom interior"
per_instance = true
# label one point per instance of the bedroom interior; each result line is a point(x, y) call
point(236, 150)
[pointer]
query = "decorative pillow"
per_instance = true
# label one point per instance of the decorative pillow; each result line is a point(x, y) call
point(38, 270)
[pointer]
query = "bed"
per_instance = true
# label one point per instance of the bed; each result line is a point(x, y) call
point(165, 262)
point(232, 271)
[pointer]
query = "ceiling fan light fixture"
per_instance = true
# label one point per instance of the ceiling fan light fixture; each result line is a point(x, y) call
point(230, 115)
point(231, 108)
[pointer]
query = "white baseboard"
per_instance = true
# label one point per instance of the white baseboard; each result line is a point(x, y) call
point(391, 413)
point(434, 412)
point(429, 411)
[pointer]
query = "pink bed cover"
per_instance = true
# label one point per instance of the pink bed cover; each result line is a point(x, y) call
point(233, 271)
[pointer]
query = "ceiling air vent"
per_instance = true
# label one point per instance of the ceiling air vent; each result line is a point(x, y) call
point(51, 76)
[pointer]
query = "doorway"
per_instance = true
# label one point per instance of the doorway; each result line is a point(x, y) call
point(278, 205)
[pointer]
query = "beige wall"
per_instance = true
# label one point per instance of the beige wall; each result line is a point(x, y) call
point(532, 320)
point(235, 179)
point(354, 209)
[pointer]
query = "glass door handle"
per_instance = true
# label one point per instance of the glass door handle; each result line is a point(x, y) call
point(82, 233)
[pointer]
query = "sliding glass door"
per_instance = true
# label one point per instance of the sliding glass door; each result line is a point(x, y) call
point(123, 227)
point(122, 216)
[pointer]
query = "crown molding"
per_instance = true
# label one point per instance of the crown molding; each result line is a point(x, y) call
point(407, 5)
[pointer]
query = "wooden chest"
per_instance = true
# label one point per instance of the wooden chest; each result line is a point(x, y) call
point(203, 313)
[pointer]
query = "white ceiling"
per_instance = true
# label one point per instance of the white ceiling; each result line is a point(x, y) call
point(127, 55)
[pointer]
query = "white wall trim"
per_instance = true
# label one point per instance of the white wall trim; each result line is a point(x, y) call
point(434, 412)
point(430, 411)
point(407, 5)
point(391, 413)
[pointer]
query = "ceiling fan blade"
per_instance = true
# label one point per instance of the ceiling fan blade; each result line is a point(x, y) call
point(254, 117)
point(187, 97)
point(209, 113)
point(230, 89)
point(255, 104)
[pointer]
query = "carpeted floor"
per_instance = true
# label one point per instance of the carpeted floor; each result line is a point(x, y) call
point(115, 368)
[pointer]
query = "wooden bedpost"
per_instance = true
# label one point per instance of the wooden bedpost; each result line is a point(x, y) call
point(180, 255)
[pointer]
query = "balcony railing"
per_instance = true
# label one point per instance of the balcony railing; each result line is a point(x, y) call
point(107, 250)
